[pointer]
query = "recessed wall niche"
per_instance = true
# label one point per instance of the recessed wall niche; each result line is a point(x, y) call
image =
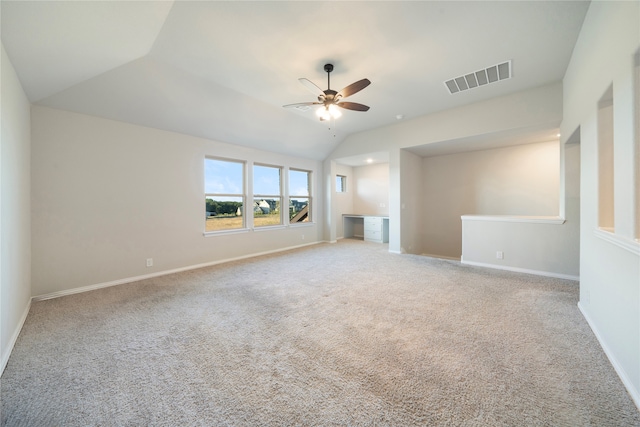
point(605, 162)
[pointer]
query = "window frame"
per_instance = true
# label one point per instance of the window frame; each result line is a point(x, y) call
point(342, 188)
point(256, 196)
point(309, 197)
point(242, 196)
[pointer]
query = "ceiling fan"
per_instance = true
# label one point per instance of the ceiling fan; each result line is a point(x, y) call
point(330, 99)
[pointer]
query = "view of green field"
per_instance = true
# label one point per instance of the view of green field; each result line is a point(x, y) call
point(218, 223)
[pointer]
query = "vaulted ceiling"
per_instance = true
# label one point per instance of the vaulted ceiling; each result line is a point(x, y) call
point(222, 70)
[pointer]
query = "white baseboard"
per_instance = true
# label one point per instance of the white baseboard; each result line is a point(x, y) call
point(7, 351)
point(442, 257)
point(159, 273)
point(633, 392)
point(521, 270)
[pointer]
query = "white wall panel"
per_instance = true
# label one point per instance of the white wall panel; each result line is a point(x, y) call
point(15, 208)
point(609, 273)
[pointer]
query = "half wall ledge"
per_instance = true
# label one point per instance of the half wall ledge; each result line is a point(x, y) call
point(516, 218)
point(543, 245)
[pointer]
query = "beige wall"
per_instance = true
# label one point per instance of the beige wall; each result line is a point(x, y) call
point(528, 109)
point(108, 195)
point(412, 214)
point(371, 189)
point(518, 180)
point(15, 208)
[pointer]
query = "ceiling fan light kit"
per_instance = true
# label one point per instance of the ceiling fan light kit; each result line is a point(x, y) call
point(329, 112)
point(330, 99)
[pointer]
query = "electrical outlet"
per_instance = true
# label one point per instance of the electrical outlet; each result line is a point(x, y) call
point(500, 255)
point(149, 262)
point(303, 237)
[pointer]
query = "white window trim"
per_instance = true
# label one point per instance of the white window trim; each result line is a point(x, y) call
point(309, 196)
point(243, 196)
point(343, 183)
point(267, 196)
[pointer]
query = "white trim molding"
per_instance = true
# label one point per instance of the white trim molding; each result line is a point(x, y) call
point(633, 392)
point(450, 258)
point(632, 246)
point(7, 351)
point(516, 218)
point(521, 270)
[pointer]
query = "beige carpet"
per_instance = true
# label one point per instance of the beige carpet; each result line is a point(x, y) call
point(334, 334)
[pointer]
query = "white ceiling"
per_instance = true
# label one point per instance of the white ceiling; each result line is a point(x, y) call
point(223, 69)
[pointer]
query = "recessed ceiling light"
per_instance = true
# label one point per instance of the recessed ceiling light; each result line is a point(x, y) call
point(369, 160)
point(558, 135)
point(400, 116)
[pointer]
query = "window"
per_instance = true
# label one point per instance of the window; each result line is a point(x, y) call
point(224, 194)
point(341, 184)
point(605, 162)
point(299, 196)
point(267, 197)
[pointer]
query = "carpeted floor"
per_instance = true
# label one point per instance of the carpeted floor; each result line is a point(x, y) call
point(333, 334)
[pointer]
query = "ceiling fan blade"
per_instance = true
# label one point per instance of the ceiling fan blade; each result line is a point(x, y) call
point(311, 86)
point(354, 88)
point(301, 104)
point(353, 106)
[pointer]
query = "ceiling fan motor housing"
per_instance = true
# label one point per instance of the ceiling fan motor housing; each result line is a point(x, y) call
point(329, 95)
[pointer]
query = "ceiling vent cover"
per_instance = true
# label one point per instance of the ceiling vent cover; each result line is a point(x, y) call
point(492, 74)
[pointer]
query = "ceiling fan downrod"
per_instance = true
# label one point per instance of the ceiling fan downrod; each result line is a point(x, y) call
point(328, 68)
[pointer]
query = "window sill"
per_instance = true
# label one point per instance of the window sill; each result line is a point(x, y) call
point(630, 245)
point(257, 229)
point(516, 218)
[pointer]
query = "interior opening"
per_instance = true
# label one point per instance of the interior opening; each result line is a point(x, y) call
point(605, 162)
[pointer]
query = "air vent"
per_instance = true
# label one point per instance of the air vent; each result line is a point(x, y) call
point(492, 74)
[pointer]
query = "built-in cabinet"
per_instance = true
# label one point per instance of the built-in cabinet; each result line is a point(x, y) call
point(370, 228)
point(375, 230)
